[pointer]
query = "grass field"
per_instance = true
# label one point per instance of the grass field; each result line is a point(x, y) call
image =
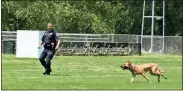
point(90, 72)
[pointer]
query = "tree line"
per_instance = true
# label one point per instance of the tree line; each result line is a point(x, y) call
point(101, 16)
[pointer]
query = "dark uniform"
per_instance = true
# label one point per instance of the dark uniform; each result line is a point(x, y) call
point(49, 42)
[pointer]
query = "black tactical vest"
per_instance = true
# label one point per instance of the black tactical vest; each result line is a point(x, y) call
point(49, 38)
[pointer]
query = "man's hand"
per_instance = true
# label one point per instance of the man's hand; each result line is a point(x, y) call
point(39, 47)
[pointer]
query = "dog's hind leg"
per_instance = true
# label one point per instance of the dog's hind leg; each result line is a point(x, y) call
point(161, 72)
point(154, 70)
point(164, 76)
point(157, 73)
point(158, 78)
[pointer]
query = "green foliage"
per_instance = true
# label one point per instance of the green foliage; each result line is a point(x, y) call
point(102, 16)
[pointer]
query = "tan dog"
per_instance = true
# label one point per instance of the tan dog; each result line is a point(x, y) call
point(142, 69)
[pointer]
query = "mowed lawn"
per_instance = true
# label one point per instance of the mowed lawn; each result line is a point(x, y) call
point(88, 72)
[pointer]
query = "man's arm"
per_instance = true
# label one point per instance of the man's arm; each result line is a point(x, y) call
point(42, 41)
point(57, 39)
point(40, 44)
point(58, 43)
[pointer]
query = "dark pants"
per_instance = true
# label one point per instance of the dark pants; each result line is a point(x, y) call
point(48, 54)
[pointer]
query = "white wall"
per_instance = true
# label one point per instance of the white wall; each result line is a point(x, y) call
point(27, 44)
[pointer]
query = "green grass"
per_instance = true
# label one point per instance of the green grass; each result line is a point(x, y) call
point(78, 72)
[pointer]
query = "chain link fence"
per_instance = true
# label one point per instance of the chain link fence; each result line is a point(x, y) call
point(172, 44)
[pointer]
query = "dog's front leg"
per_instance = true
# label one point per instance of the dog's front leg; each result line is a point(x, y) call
point(146, 77)
point(133, 77)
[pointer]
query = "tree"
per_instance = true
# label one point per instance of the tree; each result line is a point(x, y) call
point(102, 16)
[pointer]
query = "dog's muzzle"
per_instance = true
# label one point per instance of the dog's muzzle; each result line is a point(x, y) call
point(124, 67)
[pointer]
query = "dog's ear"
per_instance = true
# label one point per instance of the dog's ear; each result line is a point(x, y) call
point(129, 62)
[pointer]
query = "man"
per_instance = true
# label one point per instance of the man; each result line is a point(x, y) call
point(51, 42)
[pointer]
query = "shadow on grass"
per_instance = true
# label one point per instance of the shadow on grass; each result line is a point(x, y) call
point(59, 75)
point(141, 82)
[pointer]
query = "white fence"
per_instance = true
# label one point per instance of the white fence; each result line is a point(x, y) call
point(172, 44)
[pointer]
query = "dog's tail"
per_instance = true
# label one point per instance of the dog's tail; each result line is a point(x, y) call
point(163, 71)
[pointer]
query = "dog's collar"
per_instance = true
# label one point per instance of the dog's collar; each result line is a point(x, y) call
point(132, 67)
